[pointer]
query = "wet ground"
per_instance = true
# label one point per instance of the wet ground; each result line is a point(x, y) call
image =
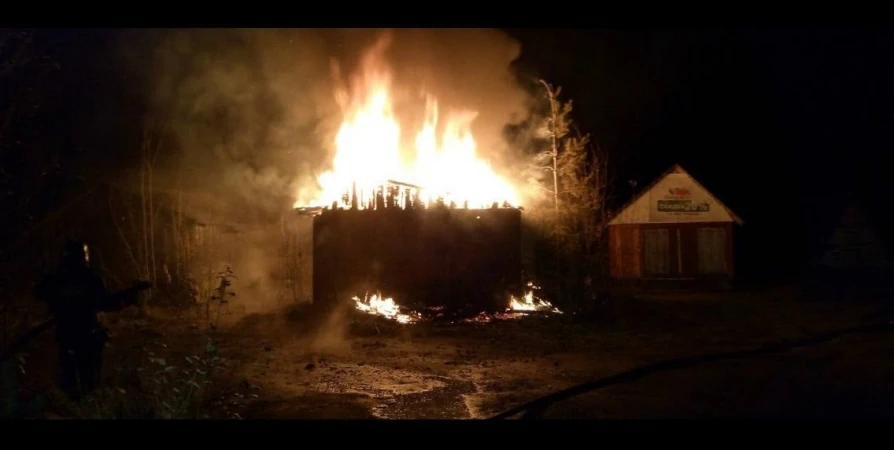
point(279, 367)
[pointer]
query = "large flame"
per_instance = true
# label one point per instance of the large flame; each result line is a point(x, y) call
point(368, 153)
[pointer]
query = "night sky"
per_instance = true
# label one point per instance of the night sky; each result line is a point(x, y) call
point(784, 126)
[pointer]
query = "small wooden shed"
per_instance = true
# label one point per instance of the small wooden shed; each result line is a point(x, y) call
point(675, 229)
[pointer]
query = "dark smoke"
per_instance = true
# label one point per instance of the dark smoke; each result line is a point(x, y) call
point(247, 110)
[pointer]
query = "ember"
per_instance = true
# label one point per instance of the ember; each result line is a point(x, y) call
point(385, 307)
point(368, 155)
point(488, 318)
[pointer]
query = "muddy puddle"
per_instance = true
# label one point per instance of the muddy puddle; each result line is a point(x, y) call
point(399, 394)
point(444, 402)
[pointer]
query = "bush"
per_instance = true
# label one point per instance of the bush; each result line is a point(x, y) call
point(155, 388)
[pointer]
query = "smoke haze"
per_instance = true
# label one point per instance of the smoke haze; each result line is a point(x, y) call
point(251, 115)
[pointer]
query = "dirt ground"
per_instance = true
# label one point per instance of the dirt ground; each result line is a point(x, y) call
point(282, 366)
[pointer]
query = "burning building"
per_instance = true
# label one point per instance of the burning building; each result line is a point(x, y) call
point(429, 225)
point(421, 257)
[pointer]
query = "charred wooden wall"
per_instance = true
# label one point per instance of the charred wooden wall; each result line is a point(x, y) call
point(430, 257)
point(671, 251)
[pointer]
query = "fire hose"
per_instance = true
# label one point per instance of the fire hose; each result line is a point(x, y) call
point(536, 408)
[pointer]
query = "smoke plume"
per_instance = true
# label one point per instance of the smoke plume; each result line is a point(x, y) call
point(252, 114)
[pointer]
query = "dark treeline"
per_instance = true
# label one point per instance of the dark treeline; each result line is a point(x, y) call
point(786, 127)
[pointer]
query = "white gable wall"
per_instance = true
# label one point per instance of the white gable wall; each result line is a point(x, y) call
point(676, 198)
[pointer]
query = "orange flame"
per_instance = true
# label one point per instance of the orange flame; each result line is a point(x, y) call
point(368, 152)
point(385, 307)
point(530, 302)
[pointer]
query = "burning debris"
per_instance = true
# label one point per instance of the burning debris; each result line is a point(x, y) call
point(394, 195)
point(531, 302)
point(377, 305)
point(518, 308)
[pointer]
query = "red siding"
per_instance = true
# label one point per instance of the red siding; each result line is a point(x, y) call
point(614, 252)
point(729, 249)
point(627, 252)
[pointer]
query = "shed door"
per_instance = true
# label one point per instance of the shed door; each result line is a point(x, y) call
point(712, 251)
point(656, 251)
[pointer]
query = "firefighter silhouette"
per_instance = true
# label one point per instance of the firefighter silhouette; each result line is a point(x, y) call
point(75, 294)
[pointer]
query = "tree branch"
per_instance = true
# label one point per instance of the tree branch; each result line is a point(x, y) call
point(124, 240)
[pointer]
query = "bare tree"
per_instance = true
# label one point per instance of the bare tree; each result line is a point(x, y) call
point(554, 131)
point(150, 150)
point(139, 239)
point(580, 190)
point(583, 171)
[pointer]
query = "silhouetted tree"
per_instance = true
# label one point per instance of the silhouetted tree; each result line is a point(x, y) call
point(140, 239)
point(579, 188)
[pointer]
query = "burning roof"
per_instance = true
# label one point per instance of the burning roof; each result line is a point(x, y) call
point(462, 248)
point(369, 163)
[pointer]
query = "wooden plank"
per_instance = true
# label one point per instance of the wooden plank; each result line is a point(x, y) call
point(678, 250)
point(656, 251)
point(729, 249)
point(712, 254)
point(637, 251)
point(615, 252)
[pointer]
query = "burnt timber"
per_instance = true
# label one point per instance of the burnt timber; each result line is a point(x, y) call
point(467, 259)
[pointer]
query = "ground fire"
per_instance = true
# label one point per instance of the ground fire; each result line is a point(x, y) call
point(531, 302)
point(386, 307)
point(460, 259)
point(378, 305)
